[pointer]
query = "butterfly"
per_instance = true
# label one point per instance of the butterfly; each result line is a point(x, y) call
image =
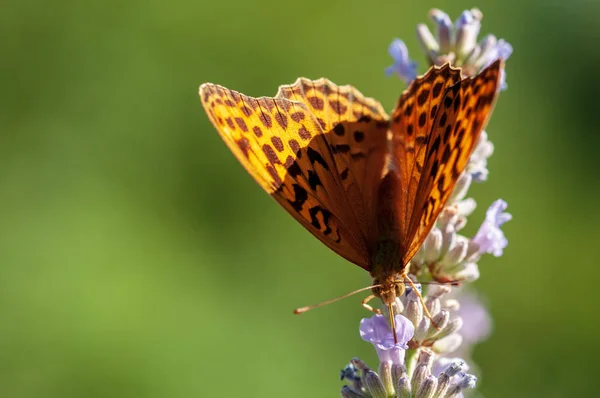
point(368, 186)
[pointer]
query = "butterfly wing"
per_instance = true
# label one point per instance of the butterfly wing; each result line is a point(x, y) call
point(296, 156)
point(447, 114)
point(356, 132)
point(412, 122)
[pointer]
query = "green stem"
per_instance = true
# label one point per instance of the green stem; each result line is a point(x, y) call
point(411, 360)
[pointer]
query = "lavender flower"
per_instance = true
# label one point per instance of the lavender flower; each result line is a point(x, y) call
point(439, 333)
point(490, 237)
point(403, 66)
point(416, 366)
point(452, 374)
point(419, 365)
point(455, 43)
point(449, 256)
point(419, 382)
point(377, 331)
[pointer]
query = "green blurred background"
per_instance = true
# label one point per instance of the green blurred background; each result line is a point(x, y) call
point(138, 259)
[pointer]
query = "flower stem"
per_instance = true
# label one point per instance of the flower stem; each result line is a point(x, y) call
point(411, 360)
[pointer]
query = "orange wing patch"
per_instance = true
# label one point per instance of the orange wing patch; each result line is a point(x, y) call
point(462, 115)
point(412, 122)
point(356, 132)
point(285, 147)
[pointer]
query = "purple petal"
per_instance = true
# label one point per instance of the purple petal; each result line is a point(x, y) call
point(466, 18)
point(504, 49)
point(490, 237)
point(403, 66)
point(440, 18)
point(477, 321)
point(376, 331)
point(398, 50)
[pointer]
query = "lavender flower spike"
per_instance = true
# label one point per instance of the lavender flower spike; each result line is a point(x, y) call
point(457, 43)
point(415, 362)
point(490, 237)
point(403, 66)
point(377, 331)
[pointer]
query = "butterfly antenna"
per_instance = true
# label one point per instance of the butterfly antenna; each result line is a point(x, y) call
point(392, 322)
point(450, 283)
point(302, 310)
point(427, 313)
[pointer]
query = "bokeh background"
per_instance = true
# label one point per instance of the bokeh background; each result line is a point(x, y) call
point(138, 259)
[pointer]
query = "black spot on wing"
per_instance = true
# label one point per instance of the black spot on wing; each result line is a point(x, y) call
point(315, 157)
point(313, 180)
point(300, 197)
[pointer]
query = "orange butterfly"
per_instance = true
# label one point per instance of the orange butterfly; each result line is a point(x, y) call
point(368, 187)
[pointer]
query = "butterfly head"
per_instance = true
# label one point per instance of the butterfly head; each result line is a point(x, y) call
point(389, 288)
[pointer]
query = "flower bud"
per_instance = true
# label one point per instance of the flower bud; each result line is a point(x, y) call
point(385, 373)
point(428, 388)
point(457, 253)
point(414, 311)
point(467, 30)
point(398, 372)
point(422, 370)
point(440, 322)
point(432, 246)
point(461, 187)
point(443, 29)
point(426, 39)
point(403, 389)
point(349, 392)
point(374, 385)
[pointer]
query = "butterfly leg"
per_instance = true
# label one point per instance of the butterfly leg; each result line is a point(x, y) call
point(425, 310)
point(365, 304)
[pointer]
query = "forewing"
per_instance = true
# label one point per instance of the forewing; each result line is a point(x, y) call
point(356, 132)
point(412, 123)
point(289, 152)
point(461, 116)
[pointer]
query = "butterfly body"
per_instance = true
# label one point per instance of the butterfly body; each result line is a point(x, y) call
point(388, 267)
point(367, 185)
